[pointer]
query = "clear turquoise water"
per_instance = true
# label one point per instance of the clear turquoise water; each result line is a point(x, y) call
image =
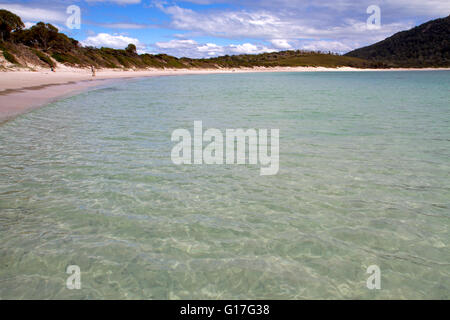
point(363, 180)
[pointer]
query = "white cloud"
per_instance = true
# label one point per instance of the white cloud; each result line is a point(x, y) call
point(248, 48)
point(111, 41)
point(211, 49)
point(281, 44)
point(400, 8)
point(176, 44)
point(28, 24)
point(124, 25)
point(267, 25)
point(191, 48)
point(407, 8)
point(228, 24)
point(284, 23)
point(35, 14)
point(322, 45)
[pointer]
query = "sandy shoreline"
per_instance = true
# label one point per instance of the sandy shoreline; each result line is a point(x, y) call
point(22, 91)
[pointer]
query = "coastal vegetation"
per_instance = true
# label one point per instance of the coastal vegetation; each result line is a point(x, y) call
point(9, 22)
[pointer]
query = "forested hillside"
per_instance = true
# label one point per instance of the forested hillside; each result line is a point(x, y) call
point(427, 45)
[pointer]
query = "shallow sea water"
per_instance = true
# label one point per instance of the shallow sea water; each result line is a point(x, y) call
point(364, 180)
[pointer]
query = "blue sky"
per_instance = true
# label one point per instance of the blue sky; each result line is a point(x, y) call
point(205, 28)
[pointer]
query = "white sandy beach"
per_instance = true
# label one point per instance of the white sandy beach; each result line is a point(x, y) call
point(24, 79)
point(21, 91)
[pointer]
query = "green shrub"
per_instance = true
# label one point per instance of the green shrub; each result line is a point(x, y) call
point(65, 58)
point(123, 60)
point(44, 58)
point(9, 57)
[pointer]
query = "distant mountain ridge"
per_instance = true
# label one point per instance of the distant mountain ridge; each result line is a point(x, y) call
point(427, 45)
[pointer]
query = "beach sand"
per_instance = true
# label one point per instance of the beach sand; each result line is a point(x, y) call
point(22, 91)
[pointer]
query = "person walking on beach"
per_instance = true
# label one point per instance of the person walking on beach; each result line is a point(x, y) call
point(93, 70)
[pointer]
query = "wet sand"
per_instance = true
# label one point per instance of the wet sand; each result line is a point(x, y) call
point(14, 102)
